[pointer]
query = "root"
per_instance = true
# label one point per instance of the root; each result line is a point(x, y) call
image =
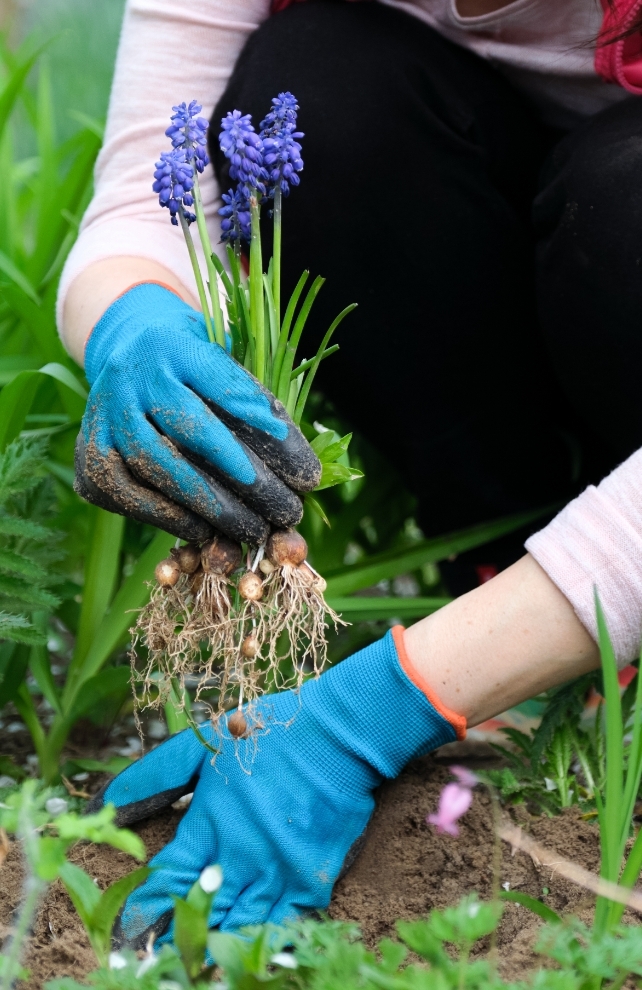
point(298, 609)
point(235, 643)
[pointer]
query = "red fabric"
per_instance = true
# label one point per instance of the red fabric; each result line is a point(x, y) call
point(278, 5)
point(621, 61)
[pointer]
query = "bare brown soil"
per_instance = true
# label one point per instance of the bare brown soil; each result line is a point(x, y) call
point(404, 870)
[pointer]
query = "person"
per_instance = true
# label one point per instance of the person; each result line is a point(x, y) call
point(471, 180)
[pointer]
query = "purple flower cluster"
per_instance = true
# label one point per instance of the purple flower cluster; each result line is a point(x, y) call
point(173, 181)
point(281, 148)
point(189, 132)
point(235, 224)
point(260, 163)
point(244, 148)
point(174, 176)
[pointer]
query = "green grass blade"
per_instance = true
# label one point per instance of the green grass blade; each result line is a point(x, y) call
point(634, 769)
point(16, 399)
point(347, 579)
point(307, 385)
point(39, 325)
point(11, 270)
point(611, 821)
point(282, 386)
point(102, 568)
point(14, 84)
point(132, 595)
point(532, 904)
point(285, 328)
point(308, 364)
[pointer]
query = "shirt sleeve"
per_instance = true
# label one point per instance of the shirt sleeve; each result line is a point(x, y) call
point(170, 51)
point(596, 542)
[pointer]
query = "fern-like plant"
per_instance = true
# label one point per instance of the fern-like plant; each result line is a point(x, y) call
point(28, 547)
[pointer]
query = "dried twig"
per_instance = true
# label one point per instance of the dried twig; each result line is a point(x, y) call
point(541, 856)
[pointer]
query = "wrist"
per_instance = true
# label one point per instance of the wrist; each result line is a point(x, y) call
point(93, 291)
point(369, 714)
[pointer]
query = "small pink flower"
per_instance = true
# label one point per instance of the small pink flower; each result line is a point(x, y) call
point(465, 776)
point(454, 801)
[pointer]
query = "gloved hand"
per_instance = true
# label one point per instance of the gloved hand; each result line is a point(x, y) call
point(279, 812)
point(178, 434)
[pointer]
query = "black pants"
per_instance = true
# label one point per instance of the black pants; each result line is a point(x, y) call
point(496, 353)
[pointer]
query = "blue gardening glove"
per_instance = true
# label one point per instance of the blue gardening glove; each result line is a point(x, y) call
point(178, 434)
point(279, 811)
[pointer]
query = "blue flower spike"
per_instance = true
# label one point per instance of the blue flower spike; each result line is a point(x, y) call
point(189, 132)
point(282, 150)
point(236, 222)
point(173, 181)
point(244, 147)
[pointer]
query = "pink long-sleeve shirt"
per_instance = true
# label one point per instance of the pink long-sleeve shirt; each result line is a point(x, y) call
point(174, 50)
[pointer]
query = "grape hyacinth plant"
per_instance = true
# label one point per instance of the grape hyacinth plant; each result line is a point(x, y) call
point(211, 621)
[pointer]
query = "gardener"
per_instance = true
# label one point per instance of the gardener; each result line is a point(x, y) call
point(432, 129)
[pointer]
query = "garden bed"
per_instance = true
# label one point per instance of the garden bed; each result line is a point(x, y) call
point(403, 871)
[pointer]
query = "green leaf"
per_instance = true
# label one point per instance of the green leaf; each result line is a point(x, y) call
point(323, 440)
point(13, 272)
point(100, 828)
point(109, 904)
point(84, 893)
point(611, 825)
point(336, 474)
point(12, 562)
point(14, 659)
point(532, 904)
point(97, 690)
point(14, 84)
point(19, 629)
point(18, 590)
point(17, 397)
point(333, 451)
point(316, 507)
point(132, 595)
point(14, 526)
point(102, 567)
point(387, 565)
point(305, 389)
point(190, 936)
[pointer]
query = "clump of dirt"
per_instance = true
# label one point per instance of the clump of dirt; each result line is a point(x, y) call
point(403, 871)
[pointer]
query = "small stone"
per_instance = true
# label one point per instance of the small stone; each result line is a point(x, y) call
point(56, 806)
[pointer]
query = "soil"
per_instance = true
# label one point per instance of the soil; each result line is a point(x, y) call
point(403, 871)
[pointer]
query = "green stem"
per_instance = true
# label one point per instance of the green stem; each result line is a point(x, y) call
point(257, 308)
point(276, 256)
point(199, 278)
point(219, 329)
point(27, 711)
point(33, 889)
point(176, 709)
point(285, 331)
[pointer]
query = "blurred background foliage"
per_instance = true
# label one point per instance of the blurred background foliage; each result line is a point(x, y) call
point(63, 660)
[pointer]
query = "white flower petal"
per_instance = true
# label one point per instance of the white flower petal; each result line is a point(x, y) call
point(211, 879)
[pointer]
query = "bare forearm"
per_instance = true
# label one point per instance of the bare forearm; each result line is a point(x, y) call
point(506, 641)
point(95, 289)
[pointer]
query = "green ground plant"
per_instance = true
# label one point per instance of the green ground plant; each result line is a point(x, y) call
point(306, 955)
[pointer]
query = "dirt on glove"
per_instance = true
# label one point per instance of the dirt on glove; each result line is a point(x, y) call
point(403, 871)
